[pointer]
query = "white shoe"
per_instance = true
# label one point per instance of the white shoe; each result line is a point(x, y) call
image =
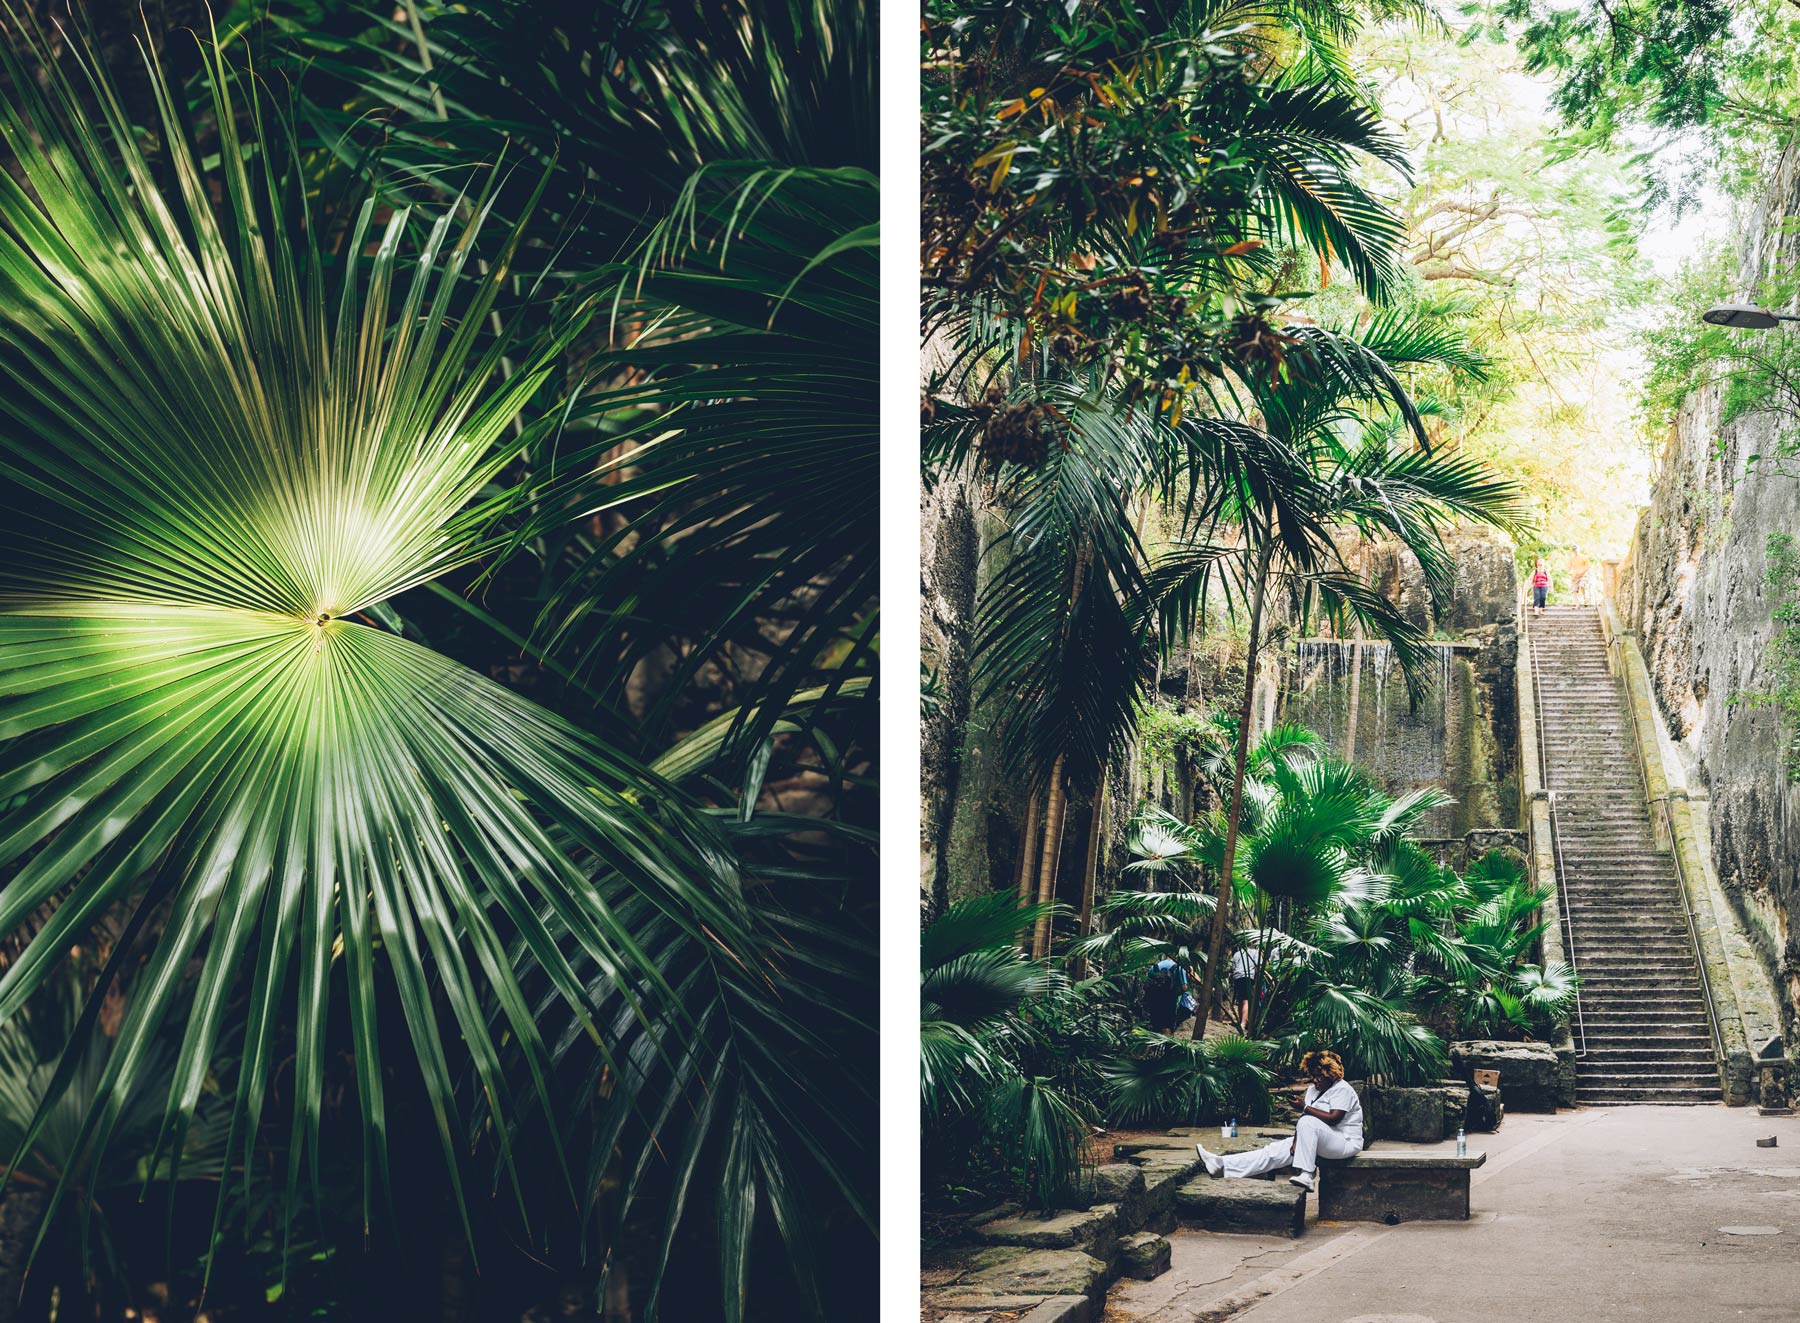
point(1215, 1165)
point(1304, 1179)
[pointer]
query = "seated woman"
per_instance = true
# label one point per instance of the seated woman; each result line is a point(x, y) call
point(1330, 1126)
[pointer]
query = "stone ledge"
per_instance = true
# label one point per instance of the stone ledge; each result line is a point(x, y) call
point(1386, 1160)
point(1094, 1229)
point(1144, 1255)
point(1014, 1277)
point(1248, 1206)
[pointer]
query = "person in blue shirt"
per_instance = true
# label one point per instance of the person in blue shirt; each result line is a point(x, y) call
point(1163, 989)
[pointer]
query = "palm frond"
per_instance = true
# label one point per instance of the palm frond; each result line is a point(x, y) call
point(225, 442)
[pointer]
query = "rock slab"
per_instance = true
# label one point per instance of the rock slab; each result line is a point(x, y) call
point(1015, 1277)
point(1092, 1229)
point(1121, 1184)
point(1247, 1207)
point(1144, 1255)
point(1530, 1079)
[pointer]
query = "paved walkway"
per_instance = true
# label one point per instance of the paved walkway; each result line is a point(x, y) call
point(1595, 1214)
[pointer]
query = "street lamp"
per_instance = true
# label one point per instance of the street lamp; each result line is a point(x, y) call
point(1745, 316)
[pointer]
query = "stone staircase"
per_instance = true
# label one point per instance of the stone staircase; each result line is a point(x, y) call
point(1647, 1035)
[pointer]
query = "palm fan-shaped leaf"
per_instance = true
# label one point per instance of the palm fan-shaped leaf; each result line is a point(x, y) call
point(1546, 993)
point(1375, 1035)
point(224, 442)
point(1041, 1133)
point(708, 172)
point(973, 924)
point(980, 985)
point(1291, 864)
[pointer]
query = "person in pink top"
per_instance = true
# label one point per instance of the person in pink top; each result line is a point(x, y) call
point(1540, 586)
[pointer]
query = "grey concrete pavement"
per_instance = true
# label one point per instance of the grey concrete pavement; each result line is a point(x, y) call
point(1597, 1214)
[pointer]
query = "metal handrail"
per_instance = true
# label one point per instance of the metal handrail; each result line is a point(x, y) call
point(1556, 858)
point(1687, 910)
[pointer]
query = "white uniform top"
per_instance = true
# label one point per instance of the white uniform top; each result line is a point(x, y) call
point(1339, 1096)
point(1245, 962)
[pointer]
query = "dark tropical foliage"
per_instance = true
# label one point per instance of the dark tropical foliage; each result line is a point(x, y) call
point(1359, 936)
point(291, 400)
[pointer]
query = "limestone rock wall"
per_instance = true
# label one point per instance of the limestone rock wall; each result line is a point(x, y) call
point(950, 555)
point(1692, 590)
point(1463, 736)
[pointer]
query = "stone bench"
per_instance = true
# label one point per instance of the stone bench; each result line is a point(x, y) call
point(1394, 1187)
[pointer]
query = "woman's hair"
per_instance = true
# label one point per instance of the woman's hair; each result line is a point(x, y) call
point(1323, 1065)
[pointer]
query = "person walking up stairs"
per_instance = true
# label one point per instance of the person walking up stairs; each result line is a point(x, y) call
point(1648, 1033)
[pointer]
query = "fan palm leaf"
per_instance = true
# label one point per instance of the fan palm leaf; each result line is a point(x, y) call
point(225, 444)
point(709, 173)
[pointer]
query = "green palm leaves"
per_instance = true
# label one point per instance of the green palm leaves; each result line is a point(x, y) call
point(1357, 930)
point(233, 430)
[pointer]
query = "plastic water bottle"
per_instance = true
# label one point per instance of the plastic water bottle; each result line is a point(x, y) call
point(1233, 1134)
point(1462, 1144)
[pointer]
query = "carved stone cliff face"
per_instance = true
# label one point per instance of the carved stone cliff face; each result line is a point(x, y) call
point(1693, 590)
point(1462, 736)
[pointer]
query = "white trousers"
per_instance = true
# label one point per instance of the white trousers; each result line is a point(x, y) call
point(1312, 1140)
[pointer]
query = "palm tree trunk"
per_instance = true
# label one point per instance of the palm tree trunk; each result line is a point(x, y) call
point(1096, 835)
point(1222, 913)
point(1055, 805)
point(1356, 660)
point(1024, 872)
point(1025, 869)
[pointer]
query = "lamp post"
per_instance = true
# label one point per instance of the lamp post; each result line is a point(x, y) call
point(1745, 316)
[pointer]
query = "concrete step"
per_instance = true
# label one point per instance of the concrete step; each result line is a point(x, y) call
point(1701, 1084)
point(1680, 1014)
point(1598, 1073)
point(1685, 1056)
point(1604, 902)
point(1621, 867)
point(1600, 879)
point(1671, 1046)
point(1678, 997)
point(1618, 891)
point(1597, 880)
point(1248, 1207)
point(1602, 993)
point(1619, 978)
point(1603, 960)
point(1596, 970)
point(1611, 1079)
point(1599, 921)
